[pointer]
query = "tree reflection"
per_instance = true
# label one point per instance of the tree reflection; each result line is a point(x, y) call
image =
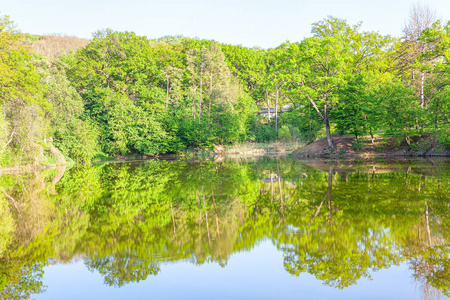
point(336, 250)
point(123, 268)
point(337, 222)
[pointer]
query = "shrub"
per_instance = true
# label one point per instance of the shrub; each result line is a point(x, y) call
point(284, 134)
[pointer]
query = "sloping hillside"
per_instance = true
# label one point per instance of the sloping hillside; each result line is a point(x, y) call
point(55, 45)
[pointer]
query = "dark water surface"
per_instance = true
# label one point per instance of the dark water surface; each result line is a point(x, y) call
point(255, 229)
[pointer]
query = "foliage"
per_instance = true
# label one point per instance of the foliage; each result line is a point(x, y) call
point(261, 132)
point(74, 137)
point(21, 101)
point(121, 93)
point(353, 108)
point(4, 135)
point(7, 224)
point(305, 121)
point(284, 134)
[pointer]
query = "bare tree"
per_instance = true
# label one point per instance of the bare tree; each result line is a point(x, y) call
point(420, 18)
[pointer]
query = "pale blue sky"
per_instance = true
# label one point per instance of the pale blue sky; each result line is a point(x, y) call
point(246, 22)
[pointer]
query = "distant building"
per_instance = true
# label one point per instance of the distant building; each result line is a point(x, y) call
point(264, 111)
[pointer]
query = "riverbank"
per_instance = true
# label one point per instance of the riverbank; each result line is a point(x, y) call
point(256, 149)
point(345, 147)
point(48, 158)
point(348, 147)
point(53, 159)
point(244, 150)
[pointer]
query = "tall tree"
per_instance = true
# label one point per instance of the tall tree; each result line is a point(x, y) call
point(196, 67)
point(274, 78)
point(216, 71)
point(249, 66)
point(420, 18)
point(320, 66)
point(172, 77)
point(323, 62)
point(21, 97)
point(437, 39)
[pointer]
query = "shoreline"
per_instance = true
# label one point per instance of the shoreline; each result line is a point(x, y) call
point(316, 151)
point(349, 147)
point(220, 157)
point(32, 168)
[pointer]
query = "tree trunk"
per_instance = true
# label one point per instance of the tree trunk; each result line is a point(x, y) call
point(167, 93)
point(407, 141)
point(206, 214)
point(428, 225)
point(215, 210)
point(271, 191)
point(279, 184)
point(327, 126)
point(10, 140)
point(422, 84)
point(437, 117)
point(281, 191)
point(199, 208)
point(276, 112)
point(309, 116)
point(371, 134)
point(200, 103)
point(329, 190)
point(210, 95)
point(193, 104)
point(268, 106)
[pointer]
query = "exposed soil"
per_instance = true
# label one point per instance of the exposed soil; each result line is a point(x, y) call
point(376, 165)
point(348, 146)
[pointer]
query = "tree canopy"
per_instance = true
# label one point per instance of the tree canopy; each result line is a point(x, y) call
point(124, 94)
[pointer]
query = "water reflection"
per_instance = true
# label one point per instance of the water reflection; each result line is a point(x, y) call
point(338, 221)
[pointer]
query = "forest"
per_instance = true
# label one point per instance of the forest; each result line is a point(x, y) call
point(122, 94)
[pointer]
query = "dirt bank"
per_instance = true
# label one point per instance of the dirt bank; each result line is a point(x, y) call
point(348, 146)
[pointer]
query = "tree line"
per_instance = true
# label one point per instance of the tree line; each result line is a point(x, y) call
point(126, 94)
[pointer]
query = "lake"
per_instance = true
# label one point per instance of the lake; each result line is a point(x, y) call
point(266, 228)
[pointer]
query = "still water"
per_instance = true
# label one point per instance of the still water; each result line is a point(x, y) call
point(235, 229)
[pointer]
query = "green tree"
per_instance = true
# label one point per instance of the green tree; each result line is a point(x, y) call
point(437, 39)
point(321, 66)
point(74, 137)
point(217, 73)
point(21, 100)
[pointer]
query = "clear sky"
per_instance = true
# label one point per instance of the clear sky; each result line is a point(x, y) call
point(247, 22)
